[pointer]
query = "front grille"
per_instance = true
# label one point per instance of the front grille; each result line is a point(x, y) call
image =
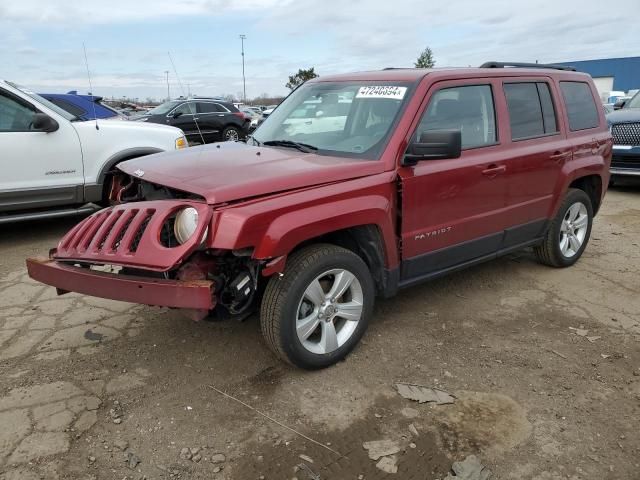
point(108, 231)
point(129, 235)
point(626, 133)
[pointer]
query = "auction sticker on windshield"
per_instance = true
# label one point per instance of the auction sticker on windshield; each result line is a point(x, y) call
point(382, 91)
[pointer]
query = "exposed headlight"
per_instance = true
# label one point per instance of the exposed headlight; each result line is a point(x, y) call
point(186, 224)
point(181, 142)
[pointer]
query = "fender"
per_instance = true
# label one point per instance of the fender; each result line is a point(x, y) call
point(273, 227)
point(578, 168)
point(93, 191)
point(291, 229)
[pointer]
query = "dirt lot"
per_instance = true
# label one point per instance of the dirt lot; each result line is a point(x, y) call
point(545, 365)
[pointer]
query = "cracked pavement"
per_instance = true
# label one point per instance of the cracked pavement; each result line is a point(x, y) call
point(96, 389)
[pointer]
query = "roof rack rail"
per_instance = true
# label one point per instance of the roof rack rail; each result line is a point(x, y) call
point(526, 65)
point(397, 68)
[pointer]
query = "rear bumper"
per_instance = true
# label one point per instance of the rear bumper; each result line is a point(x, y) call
point(194, 294)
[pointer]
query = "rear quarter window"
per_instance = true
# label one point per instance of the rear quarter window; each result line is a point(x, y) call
point(581, 107)
point(68, 106)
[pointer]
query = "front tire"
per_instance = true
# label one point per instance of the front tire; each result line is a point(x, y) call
point(569, 232)
point(316, 312)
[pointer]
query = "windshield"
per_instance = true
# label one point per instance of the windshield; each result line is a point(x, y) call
point(634, 102)
point(163, 108)
point(51, 106)
point(338, 118)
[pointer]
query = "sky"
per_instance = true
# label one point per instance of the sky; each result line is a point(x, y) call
point(130, 43)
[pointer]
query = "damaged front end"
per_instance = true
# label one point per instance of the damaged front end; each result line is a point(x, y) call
point(130, 252)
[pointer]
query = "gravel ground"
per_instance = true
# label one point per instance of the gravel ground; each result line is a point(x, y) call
point(544, 365)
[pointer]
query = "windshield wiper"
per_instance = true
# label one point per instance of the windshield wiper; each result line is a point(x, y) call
point(255, 141)
point(303, 147)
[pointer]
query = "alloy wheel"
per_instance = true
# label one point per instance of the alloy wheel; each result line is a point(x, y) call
point(329, 311)
point(573, 229)
point(232, 135)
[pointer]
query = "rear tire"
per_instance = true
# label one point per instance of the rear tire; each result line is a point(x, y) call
point(314, 314)
point(230, 134)
point(569, 232)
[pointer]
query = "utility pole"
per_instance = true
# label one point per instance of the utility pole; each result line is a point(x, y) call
point(244, 84)
point(166, 72)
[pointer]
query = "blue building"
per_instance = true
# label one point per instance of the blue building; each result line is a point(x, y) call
point(621, 74)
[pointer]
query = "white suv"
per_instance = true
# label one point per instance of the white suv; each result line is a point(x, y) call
point(54, 164)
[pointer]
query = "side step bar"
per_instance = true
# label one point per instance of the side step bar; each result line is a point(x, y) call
point(23, 217)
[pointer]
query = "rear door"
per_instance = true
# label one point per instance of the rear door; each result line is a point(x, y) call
point(212, 118)
point(452, 210)
point(539, 149)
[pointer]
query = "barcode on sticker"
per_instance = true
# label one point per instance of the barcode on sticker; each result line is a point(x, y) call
point(382, 91)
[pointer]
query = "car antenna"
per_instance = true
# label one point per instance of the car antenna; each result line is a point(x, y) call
point(93, 103)
point(195, 120)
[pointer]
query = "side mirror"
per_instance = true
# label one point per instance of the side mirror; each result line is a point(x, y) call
point(434, 145)
point(177, 114)
point(619, 104)
point(44, 123)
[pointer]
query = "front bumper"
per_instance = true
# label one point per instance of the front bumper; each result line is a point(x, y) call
point(193, 294)
point(625, 160)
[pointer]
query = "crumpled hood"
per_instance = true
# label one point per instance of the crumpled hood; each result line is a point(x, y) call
point(229, 171)
point(624, 115)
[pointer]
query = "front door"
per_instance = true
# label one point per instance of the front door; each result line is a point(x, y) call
point(39, 169)
point(184, 117)
point(452, 210)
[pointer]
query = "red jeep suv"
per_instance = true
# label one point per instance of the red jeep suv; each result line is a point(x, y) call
point(354, 187)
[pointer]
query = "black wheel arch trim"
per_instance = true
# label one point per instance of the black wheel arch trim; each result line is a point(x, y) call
point(91, 190)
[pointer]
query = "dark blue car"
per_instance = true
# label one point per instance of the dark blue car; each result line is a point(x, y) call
point(82, 106)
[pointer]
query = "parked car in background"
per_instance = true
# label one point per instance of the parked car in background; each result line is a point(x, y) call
point(202, 120)
point(54, 163)
point(85, 107)
point(268, 110)
point(432, 171)
point(251, 112)
point(621, 102)
point(624, 124)
point(256, 122)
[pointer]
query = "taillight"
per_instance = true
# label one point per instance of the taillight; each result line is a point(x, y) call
point(241, 115)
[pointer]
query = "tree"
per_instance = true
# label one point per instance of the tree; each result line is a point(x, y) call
point(426, 60)
point(300, 77)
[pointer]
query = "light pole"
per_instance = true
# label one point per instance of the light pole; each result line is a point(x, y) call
point(244, 84)
point(166, 72)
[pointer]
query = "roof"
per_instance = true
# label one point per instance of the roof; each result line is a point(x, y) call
point(416, 74)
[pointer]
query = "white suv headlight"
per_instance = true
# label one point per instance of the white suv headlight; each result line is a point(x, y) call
point(186, 224)
point(181, 142)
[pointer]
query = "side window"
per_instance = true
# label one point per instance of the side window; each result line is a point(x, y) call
point(548, 112)
point(531, 112)
point(68, 106)
point(207, 107)
point(14, 116)
point(581, 107)
point(468, 109)
point(188, 108)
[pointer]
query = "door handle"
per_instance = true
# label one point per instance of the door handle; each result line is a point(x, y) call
point(196, 118)
point(494, 170)
point(559, 156)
